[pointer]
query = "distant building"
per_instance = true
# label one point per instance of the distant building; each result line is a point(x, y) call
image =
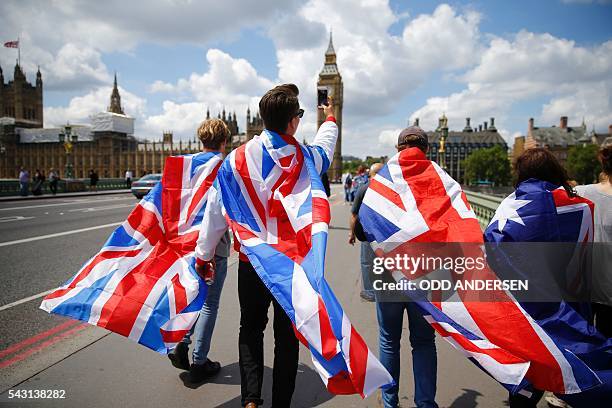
point(331, 80)
point(558, 139)
point(107, 144)
point(598, 138)
point(460, 144)
point(22, 101)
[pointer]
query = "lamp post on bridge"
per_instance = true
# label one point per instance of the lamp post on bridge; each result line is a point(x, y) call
point(443, 128)
point(68, 139)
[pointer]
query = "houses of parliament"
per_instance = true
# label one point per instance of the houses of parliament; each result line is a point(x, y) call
point(108, 144)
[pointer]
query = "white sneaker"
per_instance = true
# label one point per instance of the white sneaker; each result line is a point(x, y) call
point(553, 401)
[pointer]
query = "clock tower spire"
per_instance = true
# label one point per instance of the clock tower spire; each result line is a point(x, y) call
point(331, 80)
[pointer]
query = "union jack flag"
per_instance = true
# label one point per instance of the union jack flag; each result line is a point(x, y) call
point(412, 200)
point(276, 205)
point(142, 284)
point(12, 44)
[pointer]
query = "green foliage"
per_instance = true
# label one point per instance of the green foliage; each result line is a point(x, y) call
point(489, 164)
point(351, 165)
point(582, 163)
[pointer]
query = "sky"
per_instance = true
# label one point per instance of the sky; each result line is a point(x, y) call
point(399, 60)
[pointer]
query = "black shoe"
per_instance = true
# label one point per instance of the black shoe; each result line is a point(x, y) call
point(367, 296)
point(200, 372)
point(179, 356)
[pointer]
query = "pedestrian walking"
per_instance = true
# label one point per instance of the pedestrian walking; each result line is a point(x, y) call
point(93, 180)
point(390, 315)
point(281, 114)
point(357, 233)
point(601, 195)
point(213, 134)
point(53, 181)
point(128, 178)
point(348, 186)
point(38, 182)
point(24, 182)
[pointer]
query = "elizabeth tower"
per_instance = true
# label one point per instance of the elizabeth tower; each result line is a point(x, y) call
point(330, 79)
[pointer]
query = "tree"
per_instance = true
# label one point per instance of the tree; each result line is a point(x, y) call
point(489, 164)
point(582, 163)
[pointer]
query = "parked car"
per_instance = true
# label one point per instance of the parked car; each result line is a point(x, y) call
point(143, 185)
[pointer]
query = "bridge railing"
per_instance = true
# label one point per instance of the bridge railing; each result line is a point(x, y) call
point(11, 187)
point(484, 206)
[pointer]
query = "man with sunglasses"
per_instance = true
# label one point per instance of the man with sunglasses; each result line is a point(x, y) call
point(281, 114)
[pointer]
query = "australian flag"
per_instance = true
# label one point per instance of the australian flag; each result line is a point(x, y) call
point(577, 357)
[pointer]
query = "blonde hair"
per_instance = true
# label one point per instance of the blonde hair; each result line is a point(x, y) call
point(212, 133)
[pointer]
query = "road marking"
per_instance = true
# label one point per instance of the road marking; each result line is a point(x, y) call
point(59, 234)
point(108, 207)
point(37, 337)
point(67, 203)
point(24, 300)
point(14, 218)
point(42, 345)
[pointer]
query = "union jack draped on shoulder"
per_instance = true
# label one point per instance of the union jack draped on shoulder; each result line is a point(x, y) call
point(277, 207)
point(142, 284)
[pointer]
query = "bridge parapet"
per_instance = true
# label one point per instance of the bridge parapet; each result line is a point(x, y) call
point(484, 206)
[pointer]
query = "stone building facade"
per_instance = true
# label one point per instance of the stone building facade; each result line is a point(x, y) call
point(21, 100)
point(107, 145)
point(460, 144)
point(331, 80)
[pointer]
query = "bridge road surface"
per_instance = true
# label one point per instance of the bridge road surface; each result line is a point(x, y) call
point(95, 368)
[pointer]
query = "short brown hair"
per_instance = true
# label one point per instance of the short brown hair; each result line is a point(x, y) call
point(605, 157)
point(278, 106)
point(212, 133)
point(539, 163)
point(413, 136)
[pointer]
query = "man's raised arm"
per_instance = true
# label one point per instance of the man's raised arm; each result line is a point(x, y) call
point(324, 143)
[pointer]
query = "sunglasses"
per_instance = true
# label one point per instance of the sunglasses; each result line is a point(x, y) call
point(300, 113)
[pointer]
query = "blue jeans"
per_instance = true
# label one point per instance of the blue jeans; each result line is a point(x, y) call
point(367, 264)
point(204, 326)
point(24, 188)
point(424, 360)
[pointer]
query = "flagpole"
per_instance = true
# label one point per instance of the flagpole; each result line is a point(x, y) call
point(18, 51)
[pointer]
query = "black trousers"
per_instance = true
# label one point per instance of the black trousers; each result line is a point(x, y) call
point(603, 318)
point(255, 299)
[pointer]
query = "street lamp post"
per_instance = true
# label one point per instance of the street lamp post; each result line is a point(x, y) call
point(68, 138)
point(443, 127)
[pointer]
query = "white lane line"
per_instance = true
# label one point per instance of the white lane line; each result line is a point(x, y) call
point(59, 234)
point(108, 207)
point(24, 300)
point(67, 203)
point(15, 218)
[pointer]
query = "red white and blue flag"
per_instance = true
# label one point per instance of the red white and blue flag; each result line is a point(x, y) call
point(142, 284)
point(12, 44)
point(412, 200)
point(278, 210)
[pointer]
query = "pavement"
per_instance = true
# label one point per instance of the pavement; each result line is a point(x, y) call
point(91, 367)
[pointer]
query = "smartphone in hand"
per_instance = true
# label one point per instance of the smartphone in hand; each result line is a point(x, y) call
point(322, 97)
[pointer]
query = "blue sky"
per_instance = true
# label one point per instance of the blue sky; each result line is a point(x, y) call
point(399, 60)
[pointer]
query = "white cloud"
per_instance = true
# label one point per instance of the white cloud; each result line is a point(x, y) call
point(510, 72)
point(81, 107)
point(388, 137)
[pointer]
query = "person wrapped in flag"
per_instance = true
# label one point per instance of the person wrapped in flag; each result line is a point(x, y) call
point(412, 201)
point(576, 362)
point(213, 134)
point(273, 200)
point(143, 283)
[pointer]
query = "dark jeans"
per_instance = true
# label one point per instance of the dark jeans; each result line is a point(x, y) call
point(53, 186)
point(424, 359)
point(255, 299)
point(603, 318)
